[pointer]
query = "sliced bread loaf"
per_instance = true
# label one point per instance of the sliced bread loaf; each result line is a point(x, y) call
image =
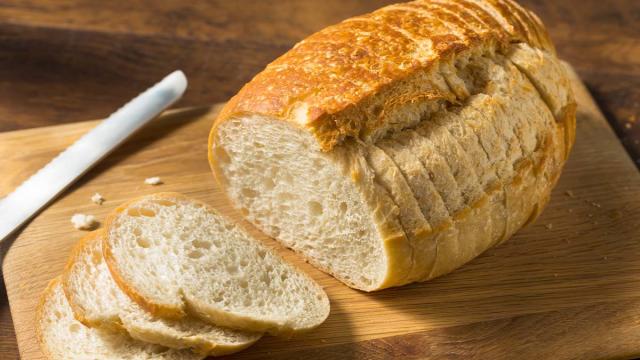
point(176, 256)
point(378, 81)
point(62, 337)
point(97, 301)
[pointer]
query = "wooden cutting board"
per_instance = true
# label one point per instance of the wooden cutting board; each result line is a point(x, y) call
point(566, 287)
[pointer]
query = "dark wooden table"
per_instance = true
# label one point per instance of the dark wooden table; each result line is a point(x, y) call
point(73, 60)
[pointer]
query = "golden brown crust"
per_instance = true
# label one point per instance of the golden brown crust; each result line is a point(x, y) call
point(321, 83)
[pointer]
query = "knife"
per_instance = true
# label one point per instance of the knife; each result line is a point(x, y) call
point(41, 188)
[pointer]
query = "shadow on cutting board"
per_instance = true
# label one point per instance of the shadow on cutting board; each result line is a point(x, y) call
point(316, 344)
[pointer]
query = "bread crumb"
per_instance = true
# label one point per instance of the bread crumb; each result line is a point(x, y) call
point(605, 258)
point(97, 198)
point(570, 194)
point(549, 226)
point(592, 203)
point(627, 125)
point(83, 222)
point(153, 181)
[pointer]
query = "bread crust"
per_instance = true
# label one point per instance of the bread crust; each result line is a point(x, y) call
point(361, 58)
point(78, 312)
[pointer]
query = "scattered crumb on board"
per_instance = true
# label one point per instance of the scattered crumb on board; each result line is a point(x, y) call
point(569, 193)
point(153, 181)
point(97, 198)
point(83, 222)
point(593, 203)
point(549, 226)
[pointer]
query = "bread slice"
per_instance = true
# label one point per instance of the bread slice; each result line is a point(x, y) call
point(386, 215)
point(487, 150)
point(413, 221)
point(428, 199)
point(176, 256)
point(62, 337)
point(449, 249)
point(550, 79)
point(546, 74)
point(97, 301)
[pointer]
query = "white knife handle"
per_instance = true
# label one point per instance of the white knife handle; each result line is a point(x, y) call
point(48, 182)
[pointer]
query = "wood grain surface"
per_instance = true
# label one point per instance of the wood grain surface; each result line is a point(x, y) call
point(565, 287)
point(71, 60)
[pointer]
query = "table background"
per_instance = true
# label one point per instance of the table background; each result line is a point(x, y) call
point(73, 60)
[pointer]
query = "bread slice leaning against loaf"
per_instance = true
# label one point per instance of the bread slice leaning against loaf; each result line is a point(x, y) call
point(97, 301)
point(297, 150)
point(62, 337)
point(178, 257)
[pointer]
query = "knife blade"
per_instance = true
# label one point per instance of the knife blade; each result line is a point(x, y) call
point(41, 188)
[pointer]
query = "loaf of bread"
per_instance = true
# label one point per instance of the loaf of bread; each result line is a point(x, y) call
point(398, 145)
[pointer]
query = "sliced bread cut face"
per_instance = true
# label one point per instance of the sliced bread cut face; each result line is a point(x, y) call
point(328, 206)
point(177, 256)
point(62, 337)
point(97, 301)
